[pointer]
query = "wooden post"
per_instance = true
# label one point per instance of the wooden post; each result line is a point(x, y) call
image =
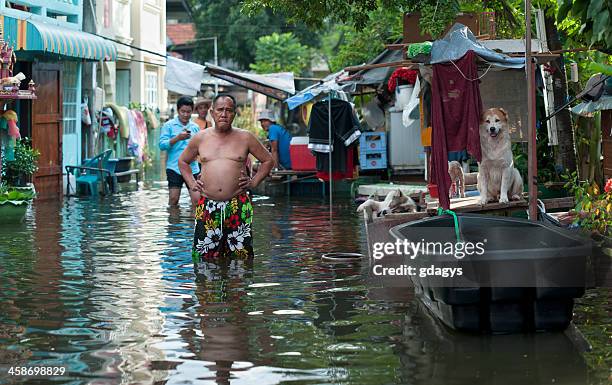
point(532, 173)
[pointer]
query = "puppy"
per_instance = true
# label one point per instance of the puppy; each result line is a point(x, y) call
point(497, 177)
point(457, 177)
point(395, 201)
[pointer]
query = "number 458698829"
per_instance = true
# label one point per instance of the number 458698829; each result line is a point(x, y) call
point(36, 371)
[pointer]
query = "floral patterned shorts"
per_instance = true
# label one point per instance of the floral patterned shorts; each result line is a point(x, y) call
point(223, 230)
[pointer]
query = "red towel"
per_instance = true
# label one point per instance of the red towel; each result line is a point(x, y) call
point(456, 108)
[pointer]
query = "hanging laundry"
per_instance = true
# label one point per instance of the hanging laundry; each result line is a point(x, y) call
point(134, 147)
point(456, 108)
point(85, 116)
point(140, 134)
point(349, 161)
point(11, 119)
point(151, 119)
point(345, 125)
point(121, 118)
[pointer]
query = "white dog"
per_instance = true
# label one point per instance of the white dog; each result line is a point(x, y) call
point(395, 201)
point(497, 177)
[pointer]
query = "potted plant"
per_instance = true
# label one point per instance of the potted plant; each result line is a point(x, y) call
point(15, 193)
point(14, 203)
point(593, 214)
point(18, 171)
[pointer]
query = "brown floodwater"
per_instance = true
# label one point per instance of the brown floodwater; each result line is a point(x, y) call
point(106, 289)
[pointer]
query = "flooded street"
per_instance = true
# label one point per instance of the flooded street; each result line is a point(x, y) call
point(106, 289)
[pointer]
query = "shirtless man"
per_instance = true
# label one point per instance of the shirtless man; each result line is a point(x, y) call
point(224, 212)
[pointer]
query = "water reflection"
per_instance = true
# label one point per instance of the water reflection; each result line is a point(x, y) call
point(106, 288)
point(431, 354)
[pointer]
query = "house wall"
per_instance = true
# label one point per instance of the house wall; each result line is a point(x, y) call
point(147, 71)
point(67, 14)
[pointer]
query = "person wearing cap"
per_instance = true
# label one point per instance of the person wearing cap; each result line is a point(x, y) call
point(280, 140)
point(202, 105)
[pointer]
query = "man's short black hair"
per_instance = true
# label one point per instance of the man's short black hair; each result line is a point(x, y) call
point(225, 96)
point(184, 101)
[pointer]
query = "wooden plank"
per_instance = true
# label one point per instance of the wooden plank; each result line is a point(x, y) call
point(471, 204)
point(402, 217)
point(403, 63)
point(292, 172)
point(559, 203)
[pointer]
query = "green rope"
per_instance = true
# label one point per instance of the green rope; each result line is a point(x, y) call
point(441, 211)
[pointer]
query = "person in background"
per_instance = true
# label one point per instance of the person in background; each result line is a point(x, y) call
point(202, 105)
point(174, 137)
point(280, 140)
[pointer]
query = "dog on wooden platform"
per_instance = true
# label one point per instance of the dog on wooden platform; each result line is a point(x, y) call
point(395, 201)
point(497, 176)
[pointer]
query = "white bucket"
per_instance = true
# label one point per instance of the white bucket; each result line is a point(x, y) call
point(402, 95)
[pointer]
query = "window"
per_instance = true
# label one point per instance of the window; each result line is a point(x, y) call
point(72, 112)
point(151, 89)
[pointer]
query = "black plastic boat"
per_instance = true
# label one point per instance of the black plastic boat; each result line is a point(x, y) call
point(519, 275)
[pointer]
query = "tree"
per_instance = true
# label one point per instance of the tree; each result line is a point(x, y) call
point(435, 14)
point(238, 32)
point(354, 47)
point(594, 18)
point(281, 53)
point(565, 128)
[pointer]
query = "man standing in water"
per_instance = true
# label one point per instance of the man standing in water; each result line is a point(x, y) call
point(175, 134)
point(224, 212)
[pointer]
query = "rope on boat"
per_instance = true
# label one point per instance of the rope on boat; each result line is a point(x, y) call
point(441, 211)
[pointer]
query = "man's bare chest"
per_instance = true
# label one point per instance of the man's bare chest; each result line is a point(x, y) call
point(214, 149)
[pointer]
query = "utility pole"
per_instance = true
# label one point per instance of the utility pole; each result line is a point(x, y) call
point(532, 167)
point(214, 39)
point(216, 63)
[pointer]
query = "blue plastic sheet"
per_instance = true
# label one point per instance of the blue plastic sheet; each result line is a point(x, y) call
point(459, 40)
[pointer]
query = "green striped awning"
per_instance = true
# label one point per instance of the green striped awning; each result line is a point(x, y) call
point(34, 35)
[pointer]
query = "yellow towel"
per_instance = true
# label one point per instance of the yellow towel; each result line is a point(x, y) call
point(425, 131)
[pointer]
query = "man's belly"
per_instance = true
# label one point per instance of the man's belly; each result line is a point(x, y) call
point(221, 178)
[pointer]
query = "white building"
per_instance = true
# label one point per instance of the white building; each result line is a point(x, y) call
point(138, 74)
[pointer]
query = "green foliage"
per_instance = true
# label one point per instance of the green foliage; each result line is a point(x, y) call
point(244, 119)
point(588, 21)
point(25, 162)
point(281, 53)
point(238, 32)
point(435, 15)
point(314, 15)
point(600, 67)
point(520, 159)
point(593, 207)
point(16, 195)
point(356, 47)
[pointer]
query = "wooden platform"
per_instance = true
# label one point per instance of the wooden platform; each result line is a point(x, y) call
point(471, 204)
point(281, 182)
point(381, 190)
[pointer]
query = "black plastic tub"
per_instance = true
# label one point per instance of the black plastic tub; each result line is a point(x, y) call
point(504, 275)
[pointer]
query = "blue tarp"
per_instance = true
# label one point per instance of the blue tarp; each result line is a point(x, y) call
point(459, 40)
point(589, 108)
point(325, 86)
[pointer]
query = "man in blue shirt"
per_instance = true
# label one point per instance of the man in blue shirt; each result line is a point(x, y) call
point(280, 140)
point(174, 137)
